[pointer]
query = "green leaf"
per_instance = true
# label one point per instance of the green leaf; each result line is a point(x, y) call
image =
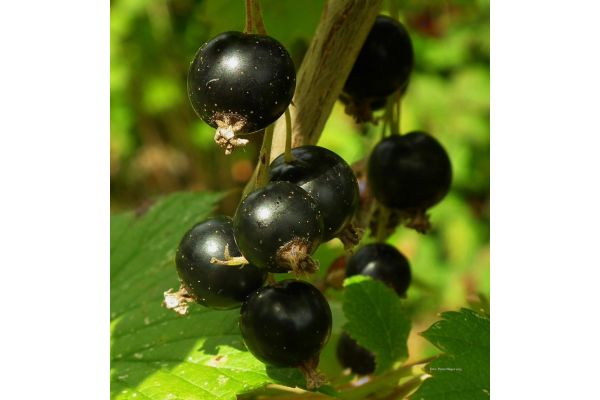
point(463, 371)
point(156, 354)
point(376, 320)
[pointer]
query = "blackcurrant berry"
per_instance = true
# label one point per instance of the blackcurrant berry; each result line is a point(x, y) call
point(382, 262)
point(278, 227)
point(240, 83)
point(352, 355)
point(409, 172)
point(384, 63)
point(287, 325)
point(213, 285)
point(327, 178)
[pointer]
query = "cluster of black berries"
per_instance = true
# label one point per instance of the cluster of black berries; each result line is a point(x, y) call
point(241, 83)
point(407, 173)
point(382, 262)
point(223, 263)
point(308, 200)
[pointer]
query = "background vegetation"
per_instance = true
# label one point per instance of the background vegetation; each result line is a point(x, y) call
point(159, 146)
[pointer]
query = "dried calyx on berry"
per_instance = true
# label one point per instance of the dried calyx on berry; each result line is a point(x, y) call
point(208, 283)
point(278, 227)
point(240, 83)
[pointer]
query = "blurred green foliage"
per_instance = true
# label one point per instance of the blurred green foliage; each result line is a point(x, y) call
point(159, 146)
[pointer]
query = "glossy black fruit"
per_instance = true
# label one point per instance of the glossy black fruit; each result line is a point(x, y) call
point(286, 324)
point(384, 63)
point(327, 178)
point(212, 285)
point(278, 227)
point(383, 262)
point(352, 355)
point(241, 80)
point(409, 172)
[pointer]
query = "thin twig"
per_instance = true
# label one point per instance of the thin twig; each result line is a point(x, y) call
point(393, 100)
point(401, 391)
point(382, 221)
point(249, 28)
point(286, 388)
point(393, 8)
point(422, 361)
point(258, 19)
point(288, 136)
point(388, 117)
point(264, 158)
point(398, 122)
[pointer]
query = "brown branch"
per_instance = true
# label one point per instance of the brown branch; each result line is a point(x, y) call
point(342, 30)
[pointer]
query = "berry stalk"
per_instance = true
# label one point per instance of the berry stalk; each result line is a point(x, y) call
point(249, 27)
point(388, 117)
point(384, 215)
point(394, 114)
point(288, 136)
point(397, 124)
point(264, 158)
point(258, 19)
